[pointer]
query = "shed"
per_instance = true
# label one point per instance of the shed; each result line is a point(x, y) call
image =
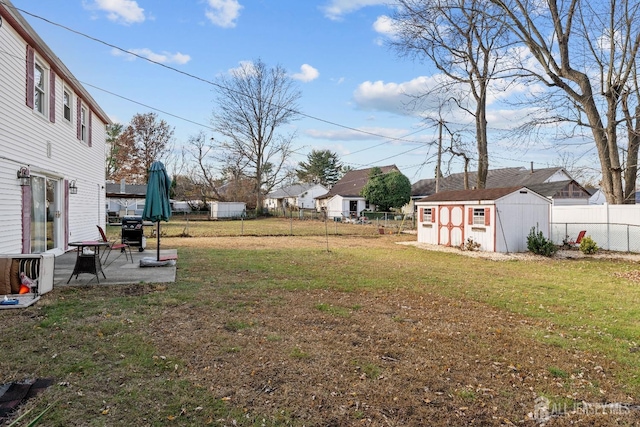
point(499, 219)
point(222, 210)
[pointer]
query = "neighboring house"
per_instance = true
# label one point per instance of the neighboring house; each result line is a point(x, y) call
point(344, 199)
point(499, 219)
point(125, 199)
point(562, 193)
point(564, 190)
point(52, 146)
point(596, 196)
point(298, 196)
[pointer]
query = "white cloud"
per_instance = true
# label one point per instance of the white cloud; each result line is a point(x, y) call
point(384, 25)
point(163, 58)
point(394, 97)
point(245, 68)
point(336, 9)
point(123, 11)
point(223, 13)
point(307, 73)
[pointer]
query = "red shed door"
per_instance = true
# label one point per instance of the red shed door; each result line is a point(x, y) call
point(450, 225)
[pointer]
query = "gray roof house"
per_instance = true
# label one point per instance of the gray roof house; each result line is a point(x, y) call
point(297, 196)
point(554, 183)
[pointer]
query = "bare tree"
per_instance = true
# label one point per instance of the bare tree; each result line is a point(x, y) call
point(587, 51)
point(464, 43)
point(203, 173)
point(253, 102)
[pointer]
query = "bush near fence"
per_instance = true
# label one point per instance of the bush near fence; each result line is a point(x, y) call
point(609, 237)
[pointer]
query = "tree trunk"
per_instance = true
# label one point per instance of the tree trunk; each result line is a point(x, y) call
point(631, 171)
point(481, 134)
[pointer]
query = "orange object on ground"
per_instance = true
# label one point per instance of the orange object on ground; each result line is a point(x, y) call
point(24, 289)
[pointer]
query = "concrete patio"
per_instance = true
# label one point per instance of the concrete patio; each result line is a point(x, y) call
point(118, 270)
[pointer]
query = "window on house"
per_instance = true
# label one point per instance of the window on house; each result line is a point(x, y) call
point(478, 216)
point(83, 124)
point(66, 100)
point(39, 102)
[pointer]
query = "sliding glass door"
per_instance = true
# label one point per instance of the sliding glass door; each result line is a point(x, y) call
point(45, 214)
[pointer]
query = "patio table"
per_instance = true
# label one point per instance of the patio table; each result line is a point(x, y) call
point(88, 261)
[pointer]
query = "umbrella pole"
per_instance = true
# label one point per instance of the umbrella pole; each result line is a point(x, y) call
point(158, 245)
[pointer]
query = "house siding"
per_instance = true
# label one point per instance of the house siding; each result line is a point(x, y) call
point(28, 138)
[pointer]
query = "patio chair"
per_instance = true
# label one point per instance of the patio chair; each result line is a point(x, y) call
point(578, 239)
point(114, 245)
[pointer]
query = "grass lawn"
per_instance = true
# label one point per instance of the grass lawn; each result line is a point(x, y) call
point(267, 328)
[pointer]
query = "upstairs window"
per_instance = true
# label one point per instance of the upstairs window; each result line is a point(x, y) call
point(41, 92)
point(66, 105)
point(83, 124)
point(39, 89)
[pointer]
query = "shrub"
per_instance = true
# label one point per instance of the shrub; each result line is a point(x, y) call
point(540, 245)
point(588, 246)
point(470, 245)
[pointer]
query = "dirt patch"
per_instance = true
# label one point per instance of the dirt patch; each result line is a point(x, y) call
point(329, 358)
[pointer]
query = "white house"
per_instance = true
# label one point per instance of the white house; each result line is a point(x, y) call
point(344, 199)
point(499, 219)
point(298, 196)
point(52, 146)
point(125, 199)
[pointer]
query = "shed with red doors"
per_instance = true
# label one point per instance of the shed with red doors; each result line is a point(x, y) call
point(498, 219)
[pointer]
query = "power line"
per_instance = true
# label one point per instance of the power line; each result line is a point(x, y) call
point(201, 79)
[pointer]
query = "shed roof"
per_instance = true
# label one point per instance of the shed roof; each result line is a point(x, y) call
point(483, 194)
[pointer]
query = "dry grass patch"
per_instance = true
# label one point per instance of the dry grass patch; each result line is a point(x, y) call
point(279, 331)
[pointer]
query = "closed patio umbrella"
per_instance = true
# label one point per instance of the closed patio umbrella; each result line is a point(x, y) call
point(157, 206)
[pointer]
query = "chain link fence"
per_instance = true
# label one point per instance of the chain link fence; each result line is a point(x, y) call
point(610, 237)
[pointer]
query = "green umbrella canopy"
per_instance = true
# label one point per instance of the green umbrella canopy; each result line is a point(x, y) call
point(157, 206)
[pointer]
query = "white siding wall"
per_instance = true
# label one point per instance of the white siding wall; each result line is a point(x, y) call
point(480, 233)
point(10, 196)
point(24, 137)
point(517, 214)
point(308, 201)
point(428, 230)
point(334, 207)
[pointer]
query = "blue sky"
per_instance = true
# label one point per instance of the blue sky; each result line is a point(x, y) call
point(335, 50)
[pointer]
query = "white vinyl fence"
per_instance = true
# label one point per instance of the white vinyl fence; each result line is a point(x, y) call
point(612, 227)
